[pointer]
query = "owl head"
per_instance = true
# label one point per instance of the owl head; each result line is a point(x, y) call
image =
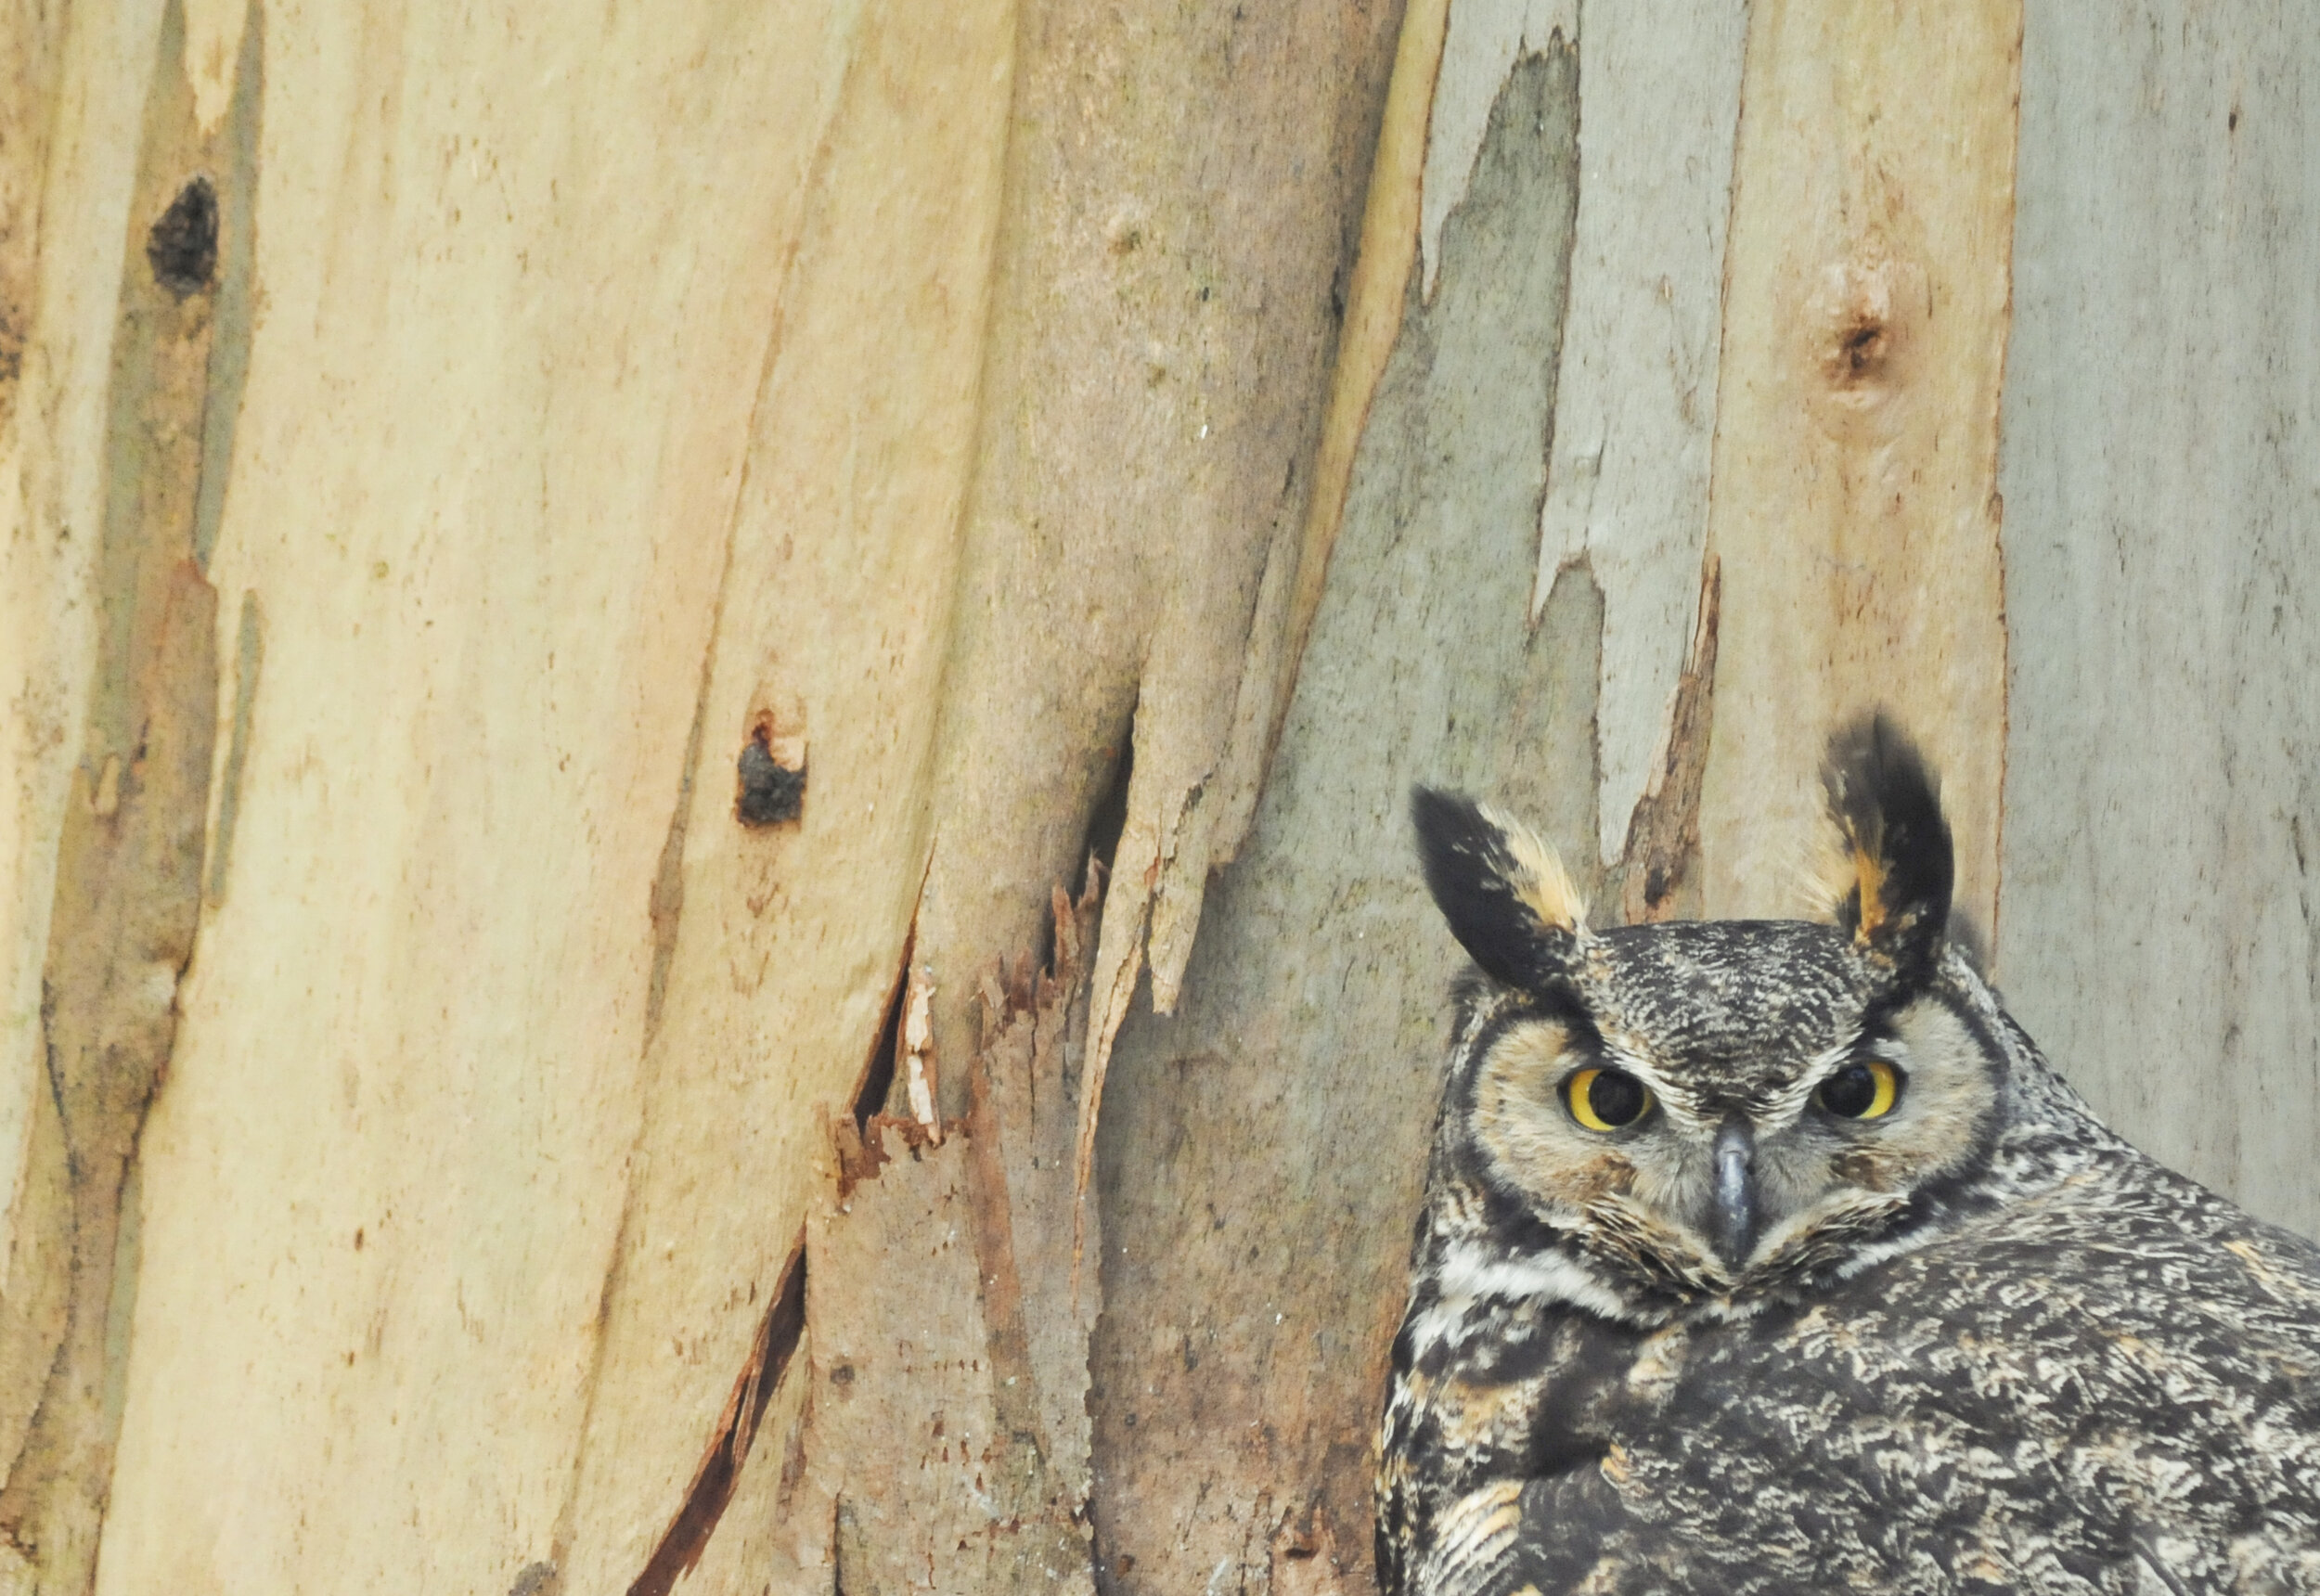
point(1708, 1108)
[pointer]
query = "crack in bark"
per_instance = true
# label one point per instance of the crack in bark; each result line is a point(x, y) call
point(688, 1534)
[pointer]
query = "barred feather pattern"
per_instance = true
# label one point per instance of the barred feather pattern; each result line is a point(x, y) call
point(2065, 1370)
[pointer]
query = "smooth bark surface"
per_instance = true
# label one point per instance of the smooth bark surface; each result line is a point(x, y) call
point(2163, 871)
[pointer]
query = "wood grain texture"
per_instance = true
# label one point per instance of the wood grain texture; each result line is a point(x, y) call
point(2163, 810)
point(564, 463)
point(484, 487)
point(1854, 503)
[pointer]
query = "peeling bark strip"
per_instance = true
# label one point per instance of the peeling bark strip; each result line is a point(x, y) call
point(1635, 414)
point(1261, 1151)
point(688, 1535)
point(129, 877)
point(1170, 287)
point(42, 598)
point(1205, 810)
point(248, 662)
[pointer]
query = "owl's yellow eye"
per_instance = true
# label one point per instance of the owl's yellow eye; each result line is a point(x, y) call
point(1606, 1100)
point(1866, 1088)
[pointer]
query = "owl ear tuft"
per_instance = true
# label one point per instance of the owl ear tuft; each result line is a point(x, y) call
point(1505, 893)
point(1891, 880)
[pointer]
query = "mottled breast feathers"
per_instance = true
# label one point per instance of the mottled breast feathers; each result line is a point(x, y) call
point(1768, 1257)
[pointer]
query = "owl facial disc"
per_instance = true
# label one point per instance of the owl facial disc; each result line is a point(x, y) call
point(1710, 1108)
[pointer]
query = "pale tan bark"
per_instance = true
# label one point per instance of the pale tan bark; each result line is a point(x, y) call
point(1855, 492)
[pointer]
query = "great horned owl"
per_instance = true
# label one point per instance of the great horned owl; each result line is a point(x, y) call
point(1770, 1256)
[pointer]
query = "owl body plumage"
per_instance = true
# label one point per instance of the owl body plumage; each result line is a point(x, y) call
point(1744, 1340)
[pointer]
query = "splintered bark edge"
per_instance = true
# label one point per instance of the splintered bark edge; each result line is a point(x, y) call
point(688, 1534)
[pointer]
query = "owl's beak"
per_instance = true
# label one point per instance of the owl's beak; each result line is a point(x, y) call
point(1735, 1192)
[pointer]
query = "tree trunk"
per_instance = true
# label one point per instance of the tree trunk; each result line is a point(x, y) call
point(703, 874)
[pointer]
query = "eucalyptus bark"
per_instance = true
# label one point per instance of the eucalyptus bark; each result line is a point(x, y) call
point(702, 869)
